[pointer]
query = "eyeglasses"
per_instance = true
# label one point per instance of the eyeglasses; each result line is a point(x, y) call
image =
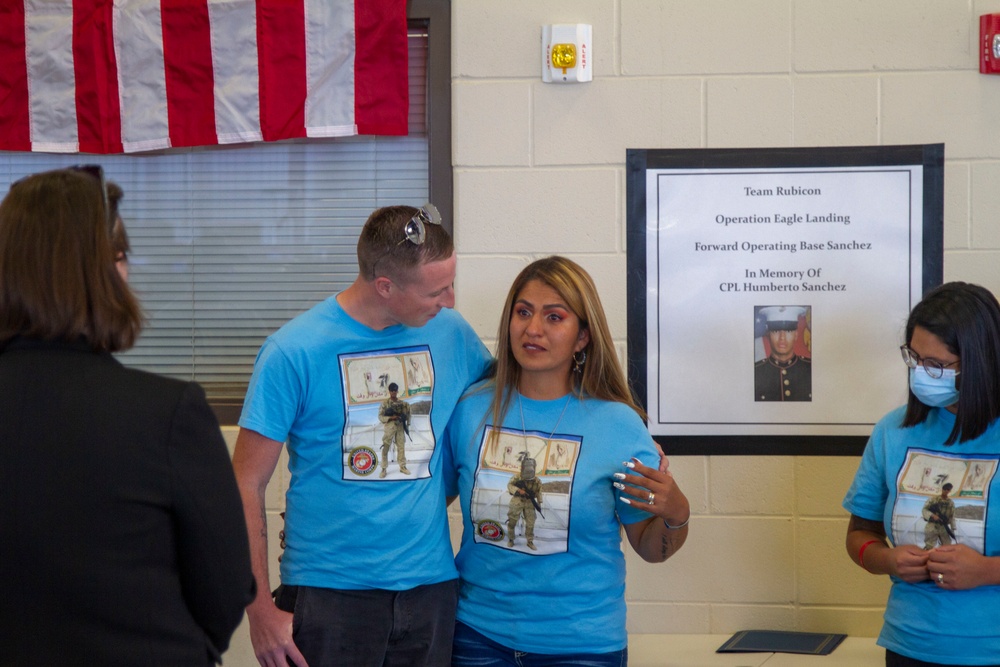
point(97, 172)
point(935, 369)
point(415, 231)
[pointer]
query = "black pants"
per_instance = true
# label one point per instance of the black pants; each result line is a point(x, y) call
point(373, 628)
point(897, 660)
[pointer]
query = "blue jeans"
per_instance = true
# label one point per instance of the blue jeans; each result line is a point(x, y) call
point(372, 628)
point(473, 649)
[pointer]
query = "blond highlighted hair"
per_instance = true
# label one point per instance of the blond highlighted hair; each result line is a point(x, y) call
point(601, 376)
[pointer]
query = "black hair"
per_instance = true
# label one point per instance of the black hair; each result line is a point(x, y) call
point(966, 318)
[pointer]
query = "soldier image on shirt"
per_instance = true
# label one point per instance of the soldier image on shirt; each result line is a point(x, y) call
point(526, 499)
point(783, 375)
point(395, 414)
point(939, 513)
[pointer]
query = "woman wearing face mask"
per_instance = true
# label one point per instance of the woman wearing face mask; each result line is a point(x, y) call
point(928, 481)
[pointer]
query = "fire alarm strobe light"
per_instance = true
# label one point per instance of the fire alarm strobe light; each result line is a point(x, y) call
point(989, 40)
point(566, 53)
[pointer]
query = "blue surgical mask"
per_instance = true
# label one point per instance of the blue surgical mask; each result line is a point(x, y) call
point(935, 392)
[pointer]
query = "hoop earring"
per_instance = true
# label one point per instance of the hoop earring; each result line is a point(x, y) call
point(579, 361)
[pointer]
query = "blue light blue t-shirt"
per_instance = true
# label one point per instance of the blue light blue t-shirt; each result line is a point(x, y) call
point(568, 596)
point(900, 470)
point(318, 383)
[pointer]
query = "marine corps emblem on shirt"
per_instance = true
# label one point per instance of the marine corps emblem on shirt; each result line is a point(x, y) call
point(490, 530)
point(363, 460)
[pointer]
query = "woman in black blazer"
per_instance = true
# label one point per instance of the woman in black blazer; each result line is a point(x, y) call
point(122, 539)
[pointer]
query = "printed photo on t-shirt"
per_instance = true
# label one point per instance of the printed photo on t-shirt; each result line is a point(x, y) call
point(942, 499)
point(387, 428)
point(522, 489)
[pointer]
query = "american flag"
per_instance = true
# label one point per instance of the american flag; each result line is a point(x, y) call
point(124, 76)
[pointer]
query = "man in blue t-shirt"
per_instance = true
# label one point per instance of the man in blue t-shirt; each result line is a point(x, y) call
point(367, 574)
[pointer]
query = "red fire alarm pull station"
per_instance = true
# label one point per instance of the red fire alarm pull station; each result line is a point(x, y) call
point(989, 37)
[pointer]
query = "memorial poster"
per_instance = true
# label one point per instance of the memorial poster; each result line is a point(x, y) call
point(769, 290)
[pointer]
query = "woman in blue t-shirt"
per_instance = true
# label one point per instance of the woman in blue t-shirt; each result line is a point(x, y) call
point(547, 456)
point(928, 481)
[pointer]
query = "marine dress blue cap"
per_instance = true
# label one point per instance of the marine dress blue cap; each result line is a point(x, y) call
point(782, 318)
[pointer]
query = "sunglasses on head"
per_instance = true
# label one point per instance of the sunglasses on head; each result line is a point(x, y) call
point(414, 229)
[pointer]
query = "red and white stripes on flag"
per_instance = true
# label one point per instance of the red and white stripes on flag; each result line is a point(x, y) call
point(112, 76)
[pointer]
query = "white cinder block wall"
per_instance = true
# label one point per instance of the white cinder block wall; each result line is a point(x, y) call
point(540, 169)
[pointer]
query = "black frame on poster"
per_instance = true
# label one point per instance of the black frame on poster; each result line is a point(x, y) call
point(639, 161)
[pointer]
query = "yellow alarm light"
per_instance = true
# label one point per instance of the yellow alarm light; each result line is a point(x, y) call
point(567, 53)
point(563, 56)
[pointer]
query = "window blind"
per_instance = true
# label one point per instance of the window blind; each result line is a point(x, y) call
point(229, 243)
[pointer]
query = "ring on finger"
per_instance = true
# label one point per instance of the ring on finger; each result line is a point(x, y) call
point(940, 578)
point(652, 497)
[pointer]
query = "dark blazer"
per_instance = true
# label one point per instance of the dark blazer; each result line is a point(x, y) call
point(122, 538)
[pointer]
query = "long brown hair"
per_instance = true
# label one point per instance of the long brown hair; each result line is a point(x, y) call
point(601, 377)
point(57, 269)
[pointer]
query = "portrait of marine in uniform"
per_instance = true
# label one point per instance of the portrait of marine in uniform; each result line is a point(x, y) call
point(783, 366)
